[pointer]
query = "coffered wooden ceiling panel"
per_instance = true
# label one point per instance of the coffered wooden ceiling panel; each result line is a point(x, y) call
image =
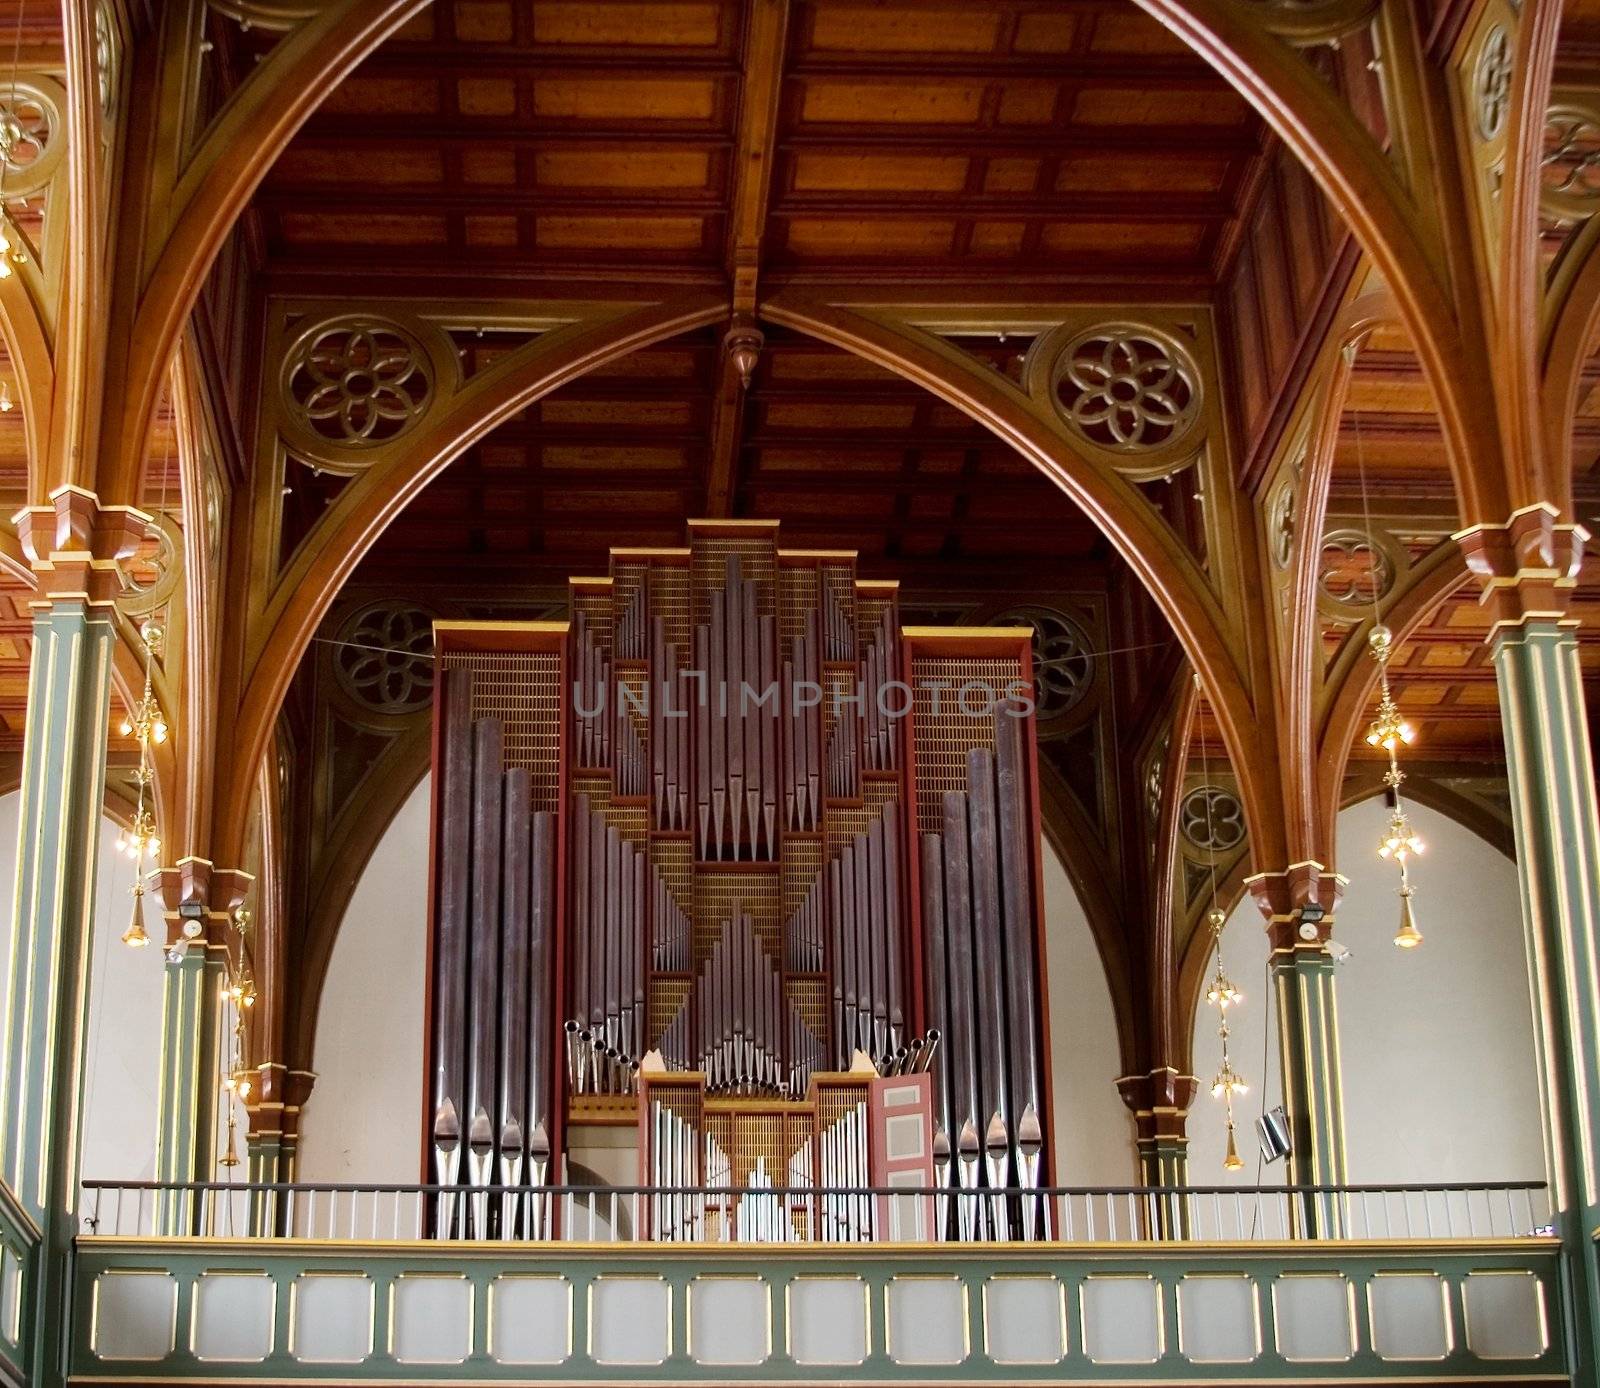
point(1067, 140)
point(844, 453)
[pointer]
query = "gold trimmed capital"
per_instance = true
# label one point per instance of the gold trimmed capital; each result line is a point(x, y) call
point(280, 1095)
point(1159, 1103)
point(1285, 898)
point(198, 882)
point(1527, 566)
point(76, 546)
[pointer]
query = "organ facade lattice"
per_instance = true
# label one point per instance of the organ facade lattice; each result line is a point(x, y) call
point(734, 861)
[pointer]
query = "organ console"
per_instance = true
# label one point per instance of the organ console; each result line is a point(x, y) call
point(711, 861)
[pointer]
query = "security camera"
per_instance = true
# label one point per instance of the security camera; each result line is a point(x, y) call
point(1341, 953)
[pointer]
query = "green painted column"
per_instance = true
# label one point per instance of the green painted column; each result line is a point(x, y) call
point(1528, 567)
point(1159, 1102)
point(274, 1142)
point(199, 900)
point(186, 1107)
point(1298, 904)
point(74, 545)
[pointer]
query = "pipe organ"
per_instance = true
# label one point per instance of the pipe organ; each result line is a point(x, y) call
point(710, 857)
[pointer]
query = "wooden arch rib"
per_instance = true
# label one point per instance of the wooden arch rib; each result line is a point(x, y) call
point(1361, 182)
point(1150, 549)
point(236, 154)
point(1355, 325)
point(1538, 469)
point(28, 346)
point(362, 510)
point(1355, 676)
point(1570, 329)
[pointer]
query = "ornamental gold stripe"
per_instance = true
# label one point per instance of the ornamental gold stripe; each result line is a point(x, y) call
point(1579, 913)
point(1549, 863)
point(1514, 718)
point(41, 1112)
point(18, 961)
point(88, 766)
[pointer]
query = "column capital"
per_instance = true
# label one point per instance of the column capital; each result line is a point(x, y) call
point(1299, 903)
point(1159, 1102)
point(197, 882)
point(1527, 566)
point(76, 545)
point(281, 1094)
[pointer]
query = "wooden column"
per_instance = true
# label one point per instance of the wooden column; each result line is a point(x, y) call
point(75, 546)
point(1528, 567)
point(1299, 904)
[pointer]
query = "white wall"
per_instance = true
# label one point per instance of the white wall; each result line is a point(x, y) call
point(1093, 1129)
point(1437, 1042)
point(362, 1122)
point(124, 1059)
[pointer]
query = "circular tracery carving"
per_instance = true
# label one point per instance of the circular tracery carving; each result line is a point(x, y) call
point(1211, 819)
point(150, 574)
point(1570, 172)
point(1491, 82)
point(1126, 389)
point(30, 136)
point(1282, 515)
point(1156, 778)
point(384, 658)
point(356, 382)
point(1355, 570)
point(1063, 659)
point(105, 60)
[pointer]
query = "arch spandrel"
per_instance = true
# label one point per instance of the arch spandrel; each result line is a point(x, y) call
point(281, 628)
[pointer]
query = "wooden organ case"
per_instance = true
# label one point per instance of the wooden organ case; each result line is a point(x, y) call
point(714, 858)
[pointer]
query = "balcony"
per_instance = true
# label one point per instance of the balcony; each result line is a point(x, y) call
point(215, 1282)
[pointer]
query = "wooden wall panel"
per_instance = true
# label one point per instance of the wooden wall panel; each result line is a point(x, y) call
point(1291, 262)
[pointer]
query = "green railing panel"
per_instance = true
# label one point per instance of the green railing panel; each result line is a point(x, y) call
point(19, 1243)
point(230, 1311)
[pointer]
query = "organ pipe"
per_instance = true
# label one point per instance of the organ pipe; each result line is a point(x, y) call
point(715, 815)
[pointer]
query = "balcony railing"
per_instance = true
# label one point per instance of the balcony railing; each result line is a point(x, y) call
point(210, 1282)
point(713, 1214)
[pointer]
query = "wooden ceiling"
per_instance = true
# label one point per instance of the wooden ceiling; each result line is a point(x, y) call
point(1037, 141)
point(520, 148)
point(844, 453)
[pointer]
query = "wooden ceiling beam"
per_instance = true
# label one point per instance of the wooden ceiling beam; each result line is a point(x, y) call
point(1133, 207)
point(765, 44)
point(841, 480)
point(298, 272)
point(365, 128)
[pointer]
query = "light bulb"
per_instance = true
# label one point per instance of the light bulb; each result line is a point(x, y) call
point(125, 728)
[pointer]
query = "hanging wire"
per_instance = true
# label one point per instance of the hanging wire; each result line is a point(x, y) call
point(1389, 730)
point(1222, 994)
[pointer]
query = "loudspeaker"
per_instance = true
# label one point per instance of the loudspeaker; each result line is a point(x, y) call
point(1272, 1130)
